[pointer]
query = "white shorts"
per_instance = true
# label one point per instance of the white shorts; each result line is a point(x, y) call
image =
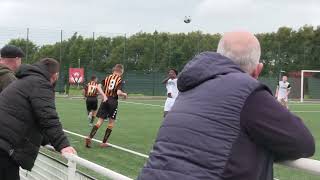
point(169, 103)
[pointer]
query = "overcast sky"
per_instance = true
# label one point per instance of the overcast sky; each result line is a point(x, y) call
point(131, 16)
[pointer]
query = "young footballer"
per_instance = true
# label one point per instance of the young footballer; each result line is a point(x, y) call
point(112, 87)
point(283, 91)
point(91, 94)
point(172, 90)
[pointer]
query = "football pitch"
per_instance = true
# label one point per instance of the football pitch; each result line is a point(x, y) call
point(137, 125)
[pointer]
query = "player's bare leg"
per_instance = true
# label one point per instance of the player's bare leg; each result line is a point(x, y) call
point(107, 133)
point(165, 113)
point(90, 117)
point(93, 132)
point(93, 116)
point(284, 103)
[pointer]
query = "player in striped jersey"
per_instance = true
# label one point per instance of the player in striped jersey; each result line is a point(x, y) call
point(91, 95)
point(112, 87)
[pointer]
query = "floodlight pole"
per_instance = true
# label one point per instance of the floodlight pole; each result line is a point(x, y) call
point(92, 50)
point(27, 45)
point(302, 84)
point(61, 48)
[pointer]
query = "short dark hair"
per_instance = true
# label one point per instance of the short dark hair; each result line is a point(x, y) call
point(93, 77)
point(175, 71)
point(52, 65)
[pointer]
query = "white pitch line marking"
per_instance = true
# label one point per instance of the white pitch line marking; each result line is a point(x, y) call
point(112, 145)
point(129, 102)
point(304, 104)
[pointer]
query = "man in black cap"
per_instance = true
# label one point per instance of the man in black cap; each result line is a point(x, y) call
point(10, 60)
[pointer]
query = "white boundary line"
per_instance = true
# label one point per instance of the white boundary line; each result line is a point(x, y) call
point(154, 105)
point(129, 102)
point(112, 145)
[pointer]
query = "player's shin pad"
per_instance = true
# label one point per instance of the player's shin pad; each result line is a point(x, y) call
point(106, 135)
point(93, 131)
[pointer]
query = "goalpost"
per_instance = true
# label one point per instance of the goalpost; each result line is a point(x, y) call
point(302, 81)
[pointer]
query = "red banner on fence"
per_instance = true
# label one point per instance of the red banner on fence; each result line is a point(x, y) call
point(76, 75)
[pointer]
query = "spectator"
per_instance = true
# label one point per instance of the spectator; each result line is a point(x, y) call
point(27, 110)
point(226, 125)
point(10, 60)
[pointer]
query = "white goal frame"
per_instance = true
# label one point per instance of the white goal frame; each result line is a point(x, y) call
point(302, 82)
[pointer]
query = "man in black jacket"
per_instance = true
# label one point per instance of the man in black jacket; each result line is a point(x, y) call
point(27, 110)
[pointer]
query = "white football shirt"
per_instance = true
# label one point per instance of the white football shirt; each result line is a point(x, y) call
point(172, 87)
point(284, 87)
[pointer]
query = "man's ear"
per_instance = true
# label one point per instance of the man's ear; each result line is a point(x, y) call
point(255, 74)
point(54, 77)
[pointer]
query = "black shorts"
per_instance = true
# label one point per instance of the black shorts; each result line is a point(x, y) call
point(108, 109)
point(92, 103)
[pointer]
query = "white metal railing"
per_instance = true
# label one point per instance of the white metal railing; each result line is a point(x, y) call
point(71, 169)
point(73, 160)
point(308, 165)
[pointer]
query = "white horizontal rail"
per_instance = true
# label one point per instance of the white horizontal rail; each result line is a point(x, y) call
point(95, 167)
point(308, 165)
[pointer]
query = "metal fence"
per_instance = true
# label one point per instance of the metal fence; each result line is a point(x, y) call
point(49, 168)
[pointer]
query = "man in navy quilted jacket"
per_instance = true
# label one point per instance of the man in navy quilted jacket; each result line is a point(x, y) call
point(226, 125)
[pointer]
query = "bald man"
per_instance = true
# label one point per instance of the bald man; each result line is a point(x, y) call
point(226, 125)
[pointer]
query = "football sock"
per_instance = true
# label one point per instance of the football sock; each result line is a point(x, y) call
point(93, 131)
point(106, 135)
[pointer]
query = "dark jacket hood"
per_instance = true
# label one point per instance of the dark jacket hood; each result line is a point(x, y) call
point(35, 69)
point(4, 70)
point(203, 67)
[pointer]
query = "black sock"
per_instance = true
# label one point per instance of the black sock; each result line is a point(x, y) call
point(106, 135)
point(93, 131)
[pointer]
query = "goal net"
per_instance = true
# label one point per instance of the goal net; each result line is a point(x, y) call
point(310, 85)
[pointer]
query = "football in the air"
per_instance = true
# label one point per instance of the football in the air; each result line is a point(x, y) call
point(187, 19)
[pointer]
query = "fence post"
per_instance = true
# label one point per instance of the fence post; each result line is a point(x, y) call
point(72, 167)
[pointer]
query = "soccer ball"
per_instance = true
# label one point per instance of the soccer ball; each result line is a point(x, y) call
point(187, 19)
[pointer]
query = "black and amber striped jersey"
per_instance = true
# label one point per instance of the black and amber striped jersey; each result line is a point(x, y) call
point(91, 89)
point(112, 84)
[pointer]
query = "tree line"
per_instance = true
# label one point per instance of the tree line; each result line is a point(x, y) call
point(286, 49)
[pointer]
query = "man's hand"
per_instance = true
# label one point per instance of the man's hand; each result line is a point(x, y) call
point(169, 95)
point(125, 95)
point(105, 98)
point(68, 149)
